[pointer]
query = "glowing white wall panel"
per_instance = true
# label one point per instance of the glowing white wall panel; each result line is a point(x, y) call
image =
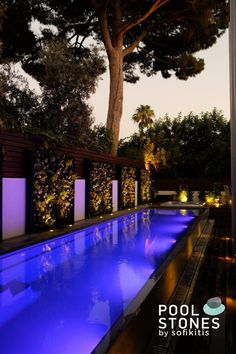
point(79, 206)
point(13, 207)
point(136, 193)
point(114, 195)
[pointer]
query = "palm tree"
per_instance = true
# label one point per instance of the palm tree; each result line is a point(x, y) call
point(144, 117)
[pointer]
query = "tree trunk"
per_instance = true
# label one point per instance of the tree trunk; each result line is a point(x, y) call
point(116, 95)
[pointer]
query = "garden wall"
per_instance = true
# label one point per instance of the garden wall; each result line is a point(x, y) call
point(31, 178)
point(103, 184)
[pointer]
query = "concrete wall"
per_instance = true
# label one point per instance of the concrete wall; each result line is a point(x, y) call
point(79, 206)
point(13, 207)
point(114, 195)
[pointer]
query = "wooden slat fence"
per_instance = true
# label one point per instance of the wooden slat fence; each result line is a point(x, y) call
point(16, 144)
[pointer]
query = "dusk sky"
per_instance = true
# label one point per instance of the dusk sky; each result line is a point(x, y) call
point(202, 93)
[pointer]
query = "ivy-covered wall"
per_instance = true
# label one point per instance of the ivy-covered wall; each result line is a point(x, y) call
point(100, 196)
point(53, 189)
point(128, 177)
point(145, 186)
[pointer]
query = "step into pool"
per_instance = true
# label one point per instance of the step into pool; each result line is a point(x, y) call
point(64, 295)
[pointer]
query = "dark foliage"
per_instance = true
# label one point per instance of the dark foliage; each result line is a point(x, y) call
point(61, 111)
point(195, 145)
point(174, 32)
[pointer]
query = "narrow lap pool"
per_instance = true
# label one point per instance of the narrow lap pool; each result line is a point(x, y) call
point(64, 295)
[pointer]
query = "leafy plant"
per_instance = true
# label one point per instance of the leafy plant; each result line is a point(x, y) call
point(154, 156)
point(100, 188)
point(101, 138)
point(143, 115)
point(184, 194)
point(53, 188)
point(213, 197)
point(145, 180)
point(128, 176)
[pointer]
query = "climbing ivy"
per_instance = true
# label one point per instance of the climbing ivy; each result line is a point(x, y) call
point(53, 189)
point(145, 182)
point(128, 176)
point(100, 188)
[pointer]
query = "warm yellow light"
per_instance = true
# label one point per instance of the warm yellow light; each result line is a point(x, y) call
point(183, 212)
point(226, 238)
point(227, 259)
point(183, 196)
point(209, 199)
point(231, 302)
point(51, 230)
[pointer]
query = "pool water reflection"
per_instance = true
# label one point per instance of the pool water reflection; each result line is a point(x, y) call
point(63, 296)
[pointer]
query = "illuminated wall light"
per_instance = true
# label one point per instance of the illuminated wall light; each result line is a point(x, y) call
point(70, 225)
point(231, 303)
point(226, 259)
point(101, 217)
point(226, 238)
point(13, 207)
point(79, 199)
point(211, 199)
point(217, 202)
point(51, 230)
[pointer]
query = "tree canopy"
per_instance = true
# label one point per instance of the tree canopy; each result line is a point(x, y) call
point(143, 115)
point(149, 35)
point(61, 111)
point(165, 33)
point(195, 145)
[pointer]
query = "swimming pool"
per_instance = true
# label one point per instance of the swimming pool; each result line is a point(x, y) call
point(64, 295)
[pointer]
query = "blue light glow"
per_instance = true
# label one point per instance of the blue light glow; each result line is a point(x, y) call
point(63, 296)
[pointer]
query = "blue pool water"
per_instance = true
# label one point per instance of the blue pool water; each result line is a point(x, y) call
point(63, 295)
